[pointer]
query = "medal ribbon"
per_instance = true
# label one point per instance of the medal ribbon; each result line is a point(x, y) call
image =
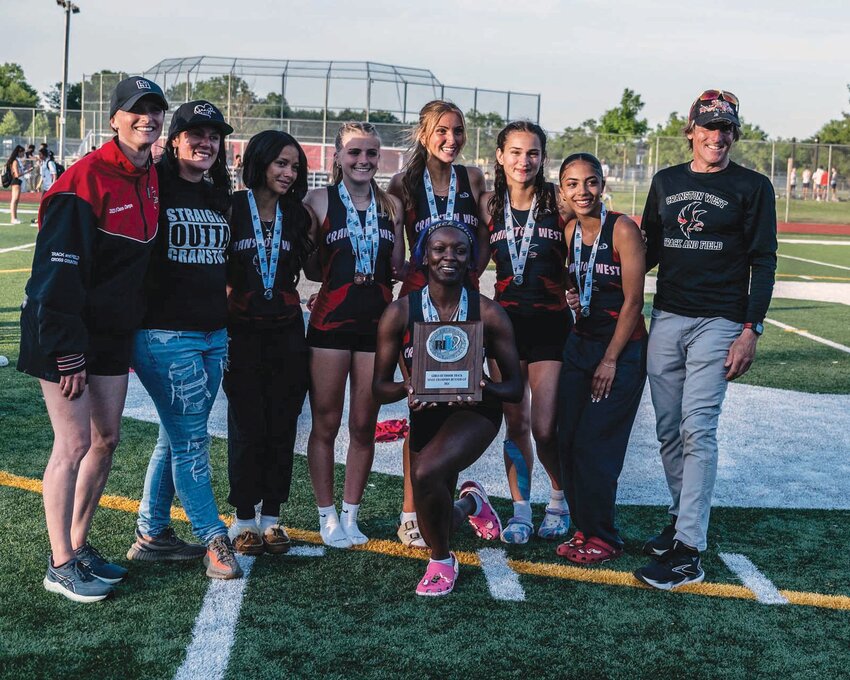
point(268, 269)
point(432, 201)
point(430, 313)
point(364, 240)
point(518, 259)
point(587, 291)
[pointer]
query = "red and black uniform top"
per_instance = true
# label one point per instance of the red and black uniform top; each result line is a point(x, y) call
point(343, 306)
point(246, 304)
point(544, 277)
point(419, 217)
point(98, 226)
point(607, 298)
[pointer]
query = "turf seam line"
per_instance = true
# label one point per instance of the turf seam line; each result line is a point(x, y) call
point(752, 578)
point(818, 262)
point(215, 627)
point(806, 334)
point(502, 581)
point(307, 551)
point(23, 247)
point(549, 570)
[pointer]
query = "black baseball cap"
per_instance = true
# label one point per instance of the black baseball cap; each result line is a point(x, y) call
point(196, 114)
point(714, 105)
point(130, 90)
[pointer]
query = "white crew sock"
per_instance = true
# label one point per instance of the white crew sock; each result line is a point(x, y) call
point(267, 521)
point(522, 510)
point(240, 525)
point(407, 517)
point(349, 523)
point(557, 501)
point(331, 530)
point(449, 561)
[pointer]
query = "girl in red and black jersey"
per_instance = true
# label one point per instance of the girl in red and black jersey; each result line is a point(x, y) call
point(360, 249)
point(266, 378)
point(432, 187)
point(530, 280)
point(604, 360)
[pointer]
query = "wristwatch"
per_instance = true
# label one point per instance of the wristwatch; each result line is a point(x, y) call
point(757, 328)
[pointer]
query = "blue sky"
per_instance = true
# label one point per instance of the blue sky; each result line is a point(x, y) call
point(789, 62)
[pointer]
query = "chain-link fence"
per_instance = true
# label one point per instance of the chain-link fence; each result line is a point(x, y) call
point(631, 161)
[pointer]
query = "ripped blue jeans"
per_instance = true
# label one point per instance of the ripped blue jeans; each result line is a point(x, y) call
point(181, 370)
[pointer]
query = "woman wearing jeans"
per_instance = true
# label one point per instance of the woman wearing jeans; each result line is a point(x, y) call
point(179, 354)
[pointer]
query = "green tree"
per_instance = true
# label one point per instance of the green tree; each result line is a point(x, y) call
point(482, 129)
point(667, 144)
point(219, 90)
point(10, 126)
point(14, 88)
point(623, 119)
point(39, 127)
point(573, 140)
point(53, 97)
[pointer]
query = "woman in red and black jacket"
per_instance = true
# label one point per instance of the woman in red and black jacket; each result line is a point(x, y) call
point(84, 300)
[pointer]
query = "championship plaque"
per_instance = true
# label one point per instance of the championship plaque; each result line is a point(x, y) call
point(448, 360)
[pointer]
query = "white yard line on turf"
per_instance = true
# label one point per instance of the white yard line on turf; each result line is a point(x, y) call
point(752, 578)
point(502, 581)
point(822, 264)
point(814, 242)
point(212, 638)
point(806, 334)
point(23, 247)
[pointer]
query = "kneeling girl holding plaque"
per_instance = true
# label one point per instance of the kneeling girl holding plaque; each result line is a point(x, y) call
point(441, 331)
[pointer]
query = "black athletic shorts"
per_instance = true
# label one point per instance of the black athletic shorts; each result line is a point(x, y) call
point(107, 354)
point(425, 424)
point(541, 336)
point(352, 342)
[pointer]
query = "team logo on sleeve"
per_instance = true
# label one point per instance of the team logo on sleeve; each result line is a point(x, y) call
point(689, 218)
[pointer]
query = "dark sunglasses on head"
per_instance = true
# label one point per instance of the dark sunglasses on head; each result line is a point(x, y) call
point(710, 95)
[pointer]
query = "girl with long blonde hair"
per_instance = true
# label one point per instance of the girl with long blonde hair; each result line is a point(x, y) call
point(360, 249)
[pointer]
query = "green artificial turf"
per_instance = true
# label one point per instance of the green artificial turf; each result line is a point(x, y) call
point(353, 614)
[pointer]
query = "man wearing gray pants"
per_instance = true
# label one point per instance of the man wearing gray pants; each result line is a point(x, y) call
point(710, 226)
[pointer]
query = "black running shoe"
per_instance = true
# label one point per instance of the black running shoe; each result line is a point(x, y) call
point(680, 566)
point(660, 546)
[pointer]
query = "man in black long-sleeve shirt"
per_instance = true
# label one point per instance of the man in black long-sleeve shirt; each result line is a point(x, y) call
point(711, 228)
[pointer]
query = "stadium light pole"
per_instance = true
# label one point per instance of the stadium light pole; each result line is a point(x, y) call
point(69, 8)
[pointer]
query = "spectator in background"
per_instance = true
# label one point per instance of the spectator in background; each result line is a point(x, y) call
point(48, 169)
point(807, 182)
point(833, 183)
point(792, 181)
point(237, 173)
point(817, 182)
point(30, 169)
point(824, 185)
point(14, 164)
